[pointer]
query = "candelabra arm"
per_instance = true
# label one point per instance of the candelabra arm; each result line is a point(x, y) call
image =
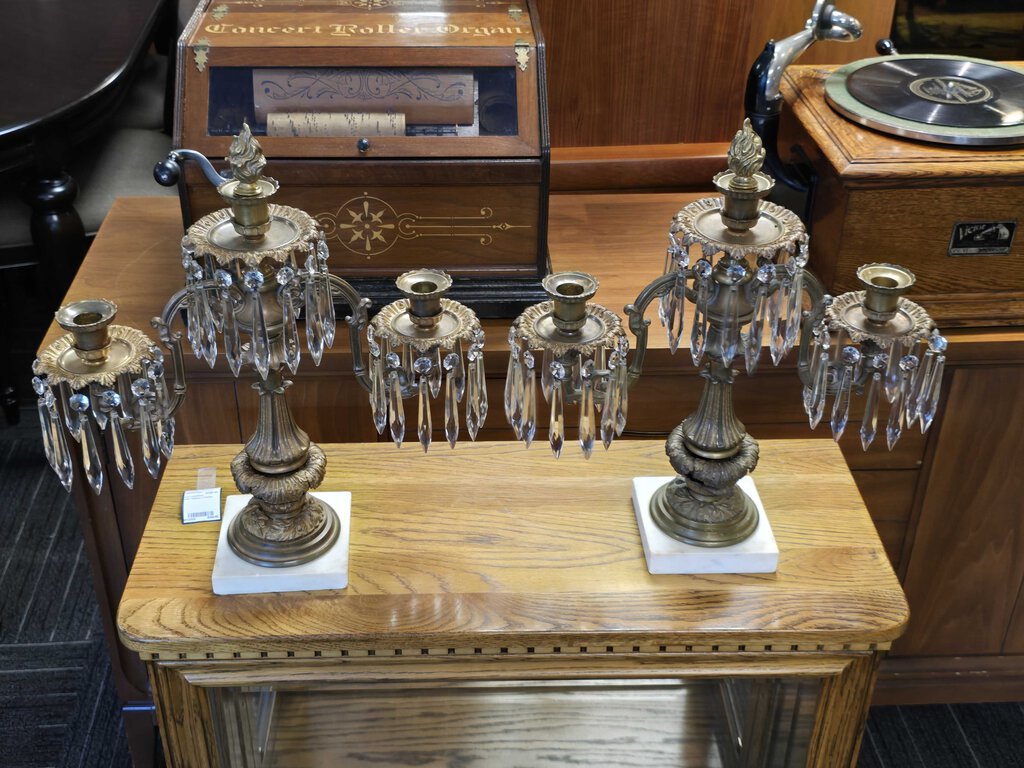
point(357, 323)
point(639, 325)
point(812, 287)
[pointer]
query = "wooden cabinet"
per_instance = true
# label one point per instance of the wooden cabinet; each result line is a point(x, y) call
point(519, 625)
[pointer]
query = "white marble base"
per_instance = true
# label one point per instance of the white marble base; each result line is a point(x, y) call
point(756, 554)
point(234, 576)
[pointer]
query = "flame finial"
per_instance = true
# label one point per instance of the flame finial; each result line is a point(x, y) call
point(245, 156)
point(746, 155)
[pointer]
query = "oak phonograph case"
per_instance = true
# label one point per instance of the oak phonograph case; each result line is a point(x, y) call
point(919, 160)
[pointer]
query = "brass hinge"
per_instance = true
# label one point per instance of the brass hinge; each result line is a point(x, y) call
point(515, 12)
point(220, 11)
point(522, 49)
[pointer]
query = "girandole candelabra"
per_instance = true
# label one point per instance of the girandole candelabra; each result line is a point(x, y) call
point(250, 270)
point(98, 378)
point(583, 361)
point(711, 450)
point(747, 288)
point(416, 343)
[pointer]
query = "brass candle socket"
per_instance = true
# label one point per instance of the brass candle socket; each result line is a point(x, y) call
point(883, 285)
point(569, 293)
point(88, 323)
point(424, 289)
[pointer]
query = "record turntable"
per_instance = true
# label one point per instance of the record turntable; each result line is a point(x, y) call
point(916, 159)
point(944, 200)
point(936, 98)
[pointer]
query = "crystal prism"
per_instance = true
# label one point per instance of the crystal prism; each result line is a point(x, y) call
point(472, 397)
point(434, 377)
point(396, 410)
point(229, 325)
point(424, 426)
point(841, 406)
point(545, 373)
point(776, 330)
point(71, 420)
point(481, 389)
point(586, 424)
point(611, 402)
point(930, 402)
point(755, 333)
point(794, 310)
point(529, 400)
point(451, 401)
point(892, 370)
point(289, 326)
point(122, 453)
point(869, 423)
point(819, 393)
point(556, 427)
point(378, 394)
point(676, 312)
point(699, 329)
point(894, 426)
point(314, 319)
point(91, 463)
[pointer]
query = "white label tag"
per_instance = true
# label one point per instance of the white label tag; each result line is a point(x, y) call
point(200, 506)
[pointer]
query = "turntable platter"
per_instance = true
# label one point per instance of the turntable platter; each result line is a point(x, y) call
point(943, 99)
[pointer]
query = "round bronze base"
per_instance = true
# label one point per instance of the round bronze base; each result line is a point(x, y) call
point(281, 553)
point(719, 522)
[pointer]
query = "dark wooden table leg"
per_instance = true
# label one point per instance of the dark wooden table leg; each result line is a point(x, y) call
point(57, 232)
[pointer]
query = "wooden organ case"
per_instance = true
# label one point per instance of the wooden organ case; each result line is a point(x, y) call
point(414, 131)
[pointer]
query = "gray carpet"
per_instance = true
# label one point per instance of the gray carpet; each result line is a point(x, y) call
point(58, 706)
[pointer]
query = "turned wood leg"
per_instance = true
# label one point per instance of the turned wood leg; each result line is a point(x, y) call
point(58, 236)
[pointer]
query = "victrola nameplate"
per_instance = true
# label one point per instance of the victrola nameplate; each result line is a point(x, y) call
point(948, 213)
point(414, 131)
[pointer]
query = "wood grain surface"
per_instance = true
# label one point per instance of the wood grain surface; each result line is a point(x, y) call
point(965, 573)
point(548, 555)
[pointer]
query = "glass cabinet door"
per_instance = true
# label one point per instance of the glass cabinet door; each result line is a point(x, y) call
point(337, 102)
point(727, 722)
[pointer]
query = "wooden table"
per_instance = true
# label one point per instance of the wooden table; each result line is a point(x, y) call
point(539, 578)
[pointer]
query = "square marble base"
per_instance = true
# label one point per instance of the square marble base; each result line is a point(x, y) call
point(756, 554)
point(234, 576)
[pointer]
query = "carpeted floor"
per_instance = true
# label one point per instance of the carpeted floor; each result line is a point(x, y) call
point(58, 706)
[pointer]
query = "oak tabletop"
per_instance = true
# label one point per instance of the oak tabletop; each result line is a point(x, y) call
point(490, 546)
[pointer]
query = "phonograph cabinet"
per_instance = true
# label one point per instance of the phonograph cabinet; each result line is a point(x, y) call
point(414, 131)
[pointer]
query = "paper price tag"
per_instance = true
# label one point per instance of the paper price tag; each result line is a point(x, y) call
point(200, 506)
